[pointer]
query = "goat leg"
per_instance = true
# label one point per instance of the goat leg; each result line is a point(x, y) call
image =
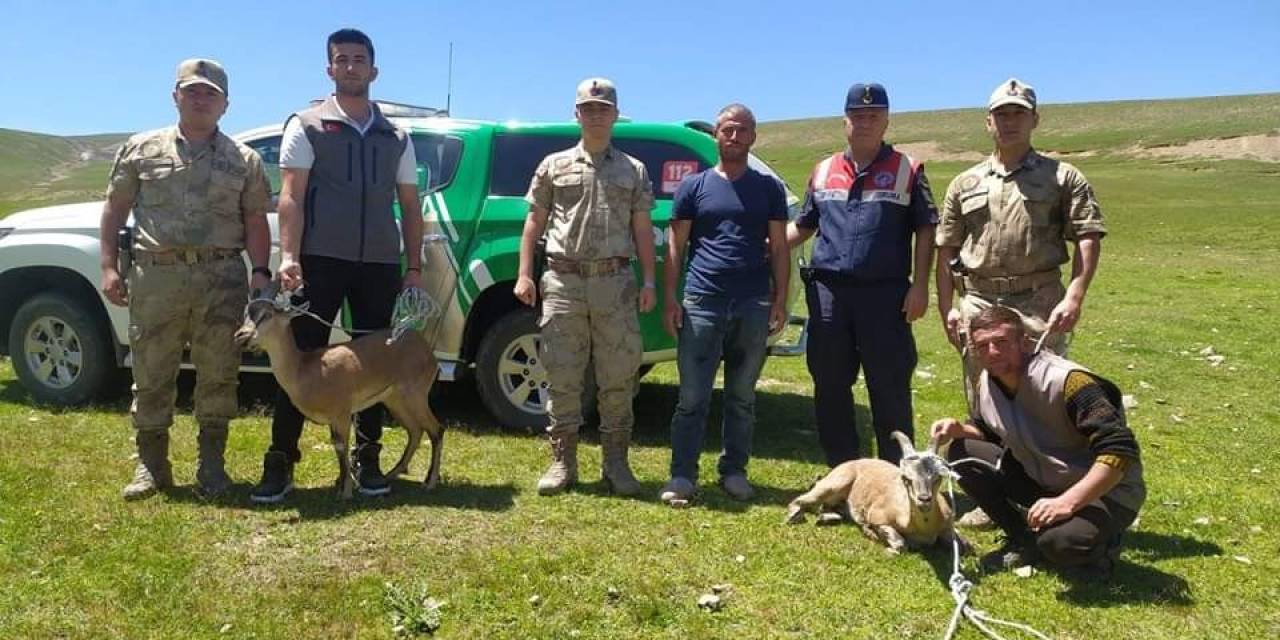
point(896, 543)
point(433, 473)
point(340, 435)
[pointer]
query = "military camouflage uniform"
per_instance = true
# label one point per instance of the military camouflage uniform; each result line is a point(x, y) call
point(590, 200)
point(1012, 229)
point(188, 283)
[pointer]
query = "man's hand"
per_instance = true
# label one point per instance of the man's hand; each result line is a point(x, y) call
point(951, 325)
point(777, 317)
point(672, 317)
point(1064, 316)
point(412, 279)
point(526, 291)
point(945, 429)
point(1047, 511)
point(648, 298)
point(917, 300)
point(290, 274)
point(114, 288)
point(258, 282)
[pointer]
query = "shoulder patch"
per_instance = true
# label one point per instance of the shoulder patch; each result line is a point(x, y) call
point(968, 183)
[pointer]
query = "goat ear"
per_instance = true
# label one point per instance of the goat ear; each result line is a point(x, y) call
point(908, 449)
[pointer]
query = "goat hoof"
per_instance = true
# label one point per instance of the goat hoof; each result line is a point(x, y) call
point(795, 515)
point(829, 518)
point(431, 483)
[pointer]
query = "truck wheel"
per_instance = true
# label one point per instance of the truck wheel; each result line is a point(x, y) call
point(511, 378)
point(60, 350)
point(509, 374)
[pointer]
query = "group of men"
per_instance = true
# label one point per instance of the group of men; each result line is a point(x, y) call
point(199, 200)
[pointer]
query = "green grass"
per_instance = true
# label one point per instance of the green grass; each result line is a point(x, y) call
point(1190, 262)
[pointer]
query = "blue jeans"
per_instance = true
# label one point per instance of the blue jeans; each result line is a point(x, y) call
point(716, 328)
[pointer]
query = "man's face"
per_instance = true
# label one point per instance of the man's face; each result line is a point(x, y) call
point(596, 118)
point(351, 69)
point(864, 128)
point(998, 349)
point(1011, 124)
point(735, 133)
point(200, 105)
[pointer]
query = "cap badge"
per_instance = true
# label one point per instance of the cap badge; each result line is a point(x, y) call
point(866, 95)
point(596, 89)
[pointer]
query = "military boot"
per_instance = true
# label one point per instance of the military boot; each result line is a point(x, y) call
point(211, 473)
point(563, 472)
point(616, 470)
point(153, 472)
point(369, 478)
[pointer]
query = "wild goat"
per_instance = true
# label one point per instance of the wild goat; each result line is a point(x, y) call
point(328, 385)
point(898, 506)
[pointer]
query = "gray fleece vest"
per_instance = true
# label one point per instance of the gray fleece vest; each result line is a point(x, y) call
point(351, 187)
point(1035, 428)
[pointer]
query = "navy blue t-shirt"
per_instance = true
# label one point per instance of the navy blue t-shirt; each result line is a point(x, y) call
point(727, 254)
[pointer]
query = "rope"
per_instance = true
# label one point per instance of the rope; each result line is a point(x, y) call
point(961, 587)
point(413, 308)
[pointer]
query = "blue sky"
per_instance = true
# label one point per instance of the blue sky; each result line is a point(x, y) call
point(73, 67)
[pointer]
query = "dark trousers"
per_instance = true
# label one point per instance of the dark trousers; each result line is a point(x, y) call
point(370, 291)
point(1084, 538)
point(854, 327)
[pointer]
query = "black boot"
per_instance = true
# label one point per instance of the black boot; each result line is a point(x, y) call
point(369, 478)
point(277, 479)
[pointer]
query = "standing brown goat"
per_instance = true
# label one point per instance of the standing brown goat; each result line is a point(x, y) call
point(331, 384)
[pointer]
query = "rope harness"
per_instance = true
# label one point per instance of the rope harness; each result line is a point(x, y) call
point(414, 307)
point(962, 587)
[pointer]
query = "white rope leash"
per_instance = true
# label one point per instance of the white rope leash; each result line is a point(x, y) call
point(413, 308)
point(962, 587)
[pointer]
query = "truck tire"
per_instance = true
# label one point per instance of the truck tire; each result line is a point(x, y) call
point(60, 350)
point(510, 377)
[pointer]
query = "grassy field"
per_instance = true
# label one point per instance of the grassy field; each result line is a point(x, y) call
point(1190, 263)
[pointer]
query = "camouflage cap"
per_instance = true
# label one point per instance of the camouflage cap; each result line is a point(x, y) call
point(202, 71)
point(597, 90)
point(1013, 91)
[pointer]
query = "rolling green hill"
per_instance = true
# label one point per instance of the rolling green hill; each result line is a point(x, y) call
point(40, 170)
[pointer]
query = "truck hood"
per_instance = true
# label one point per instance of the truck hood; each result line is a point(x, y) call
point(80, 217)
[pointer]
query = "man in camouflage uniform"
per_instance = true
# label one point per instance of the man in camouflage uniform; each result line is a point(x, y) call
point(1009, 219)
point(198, 199)
point(594, 202)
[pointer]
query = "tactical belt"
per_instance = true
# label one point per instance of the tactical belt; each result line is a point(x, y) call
point(1000, 285)
point(588, 268)
point(199, 255)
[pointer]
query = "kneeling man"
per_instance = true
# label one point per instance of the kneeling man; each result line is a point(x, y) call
point(1068, 475)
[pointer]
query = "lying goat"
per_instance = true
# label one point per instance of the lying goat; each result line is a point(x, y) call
point(329, 385)
point(899, 506)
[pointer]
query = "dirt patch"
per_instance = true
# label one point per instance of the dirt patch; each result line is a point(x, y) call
point(1265, 148)
point(930, 151)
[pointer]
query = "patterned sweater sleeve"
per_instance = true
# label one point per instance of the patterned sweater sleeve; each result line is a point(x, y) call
point(1093, 405)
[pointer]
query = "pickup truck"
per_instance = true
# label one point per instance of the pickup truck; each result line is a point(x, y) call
point(69, 346)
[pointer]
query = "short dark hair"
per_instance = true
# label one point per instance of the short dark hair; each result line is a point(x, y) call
point(996, 316)
point(347, 36)
point(738, 109)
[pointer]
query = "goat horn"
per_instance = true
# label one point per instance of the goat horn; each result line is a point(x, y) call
point(904, 442)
